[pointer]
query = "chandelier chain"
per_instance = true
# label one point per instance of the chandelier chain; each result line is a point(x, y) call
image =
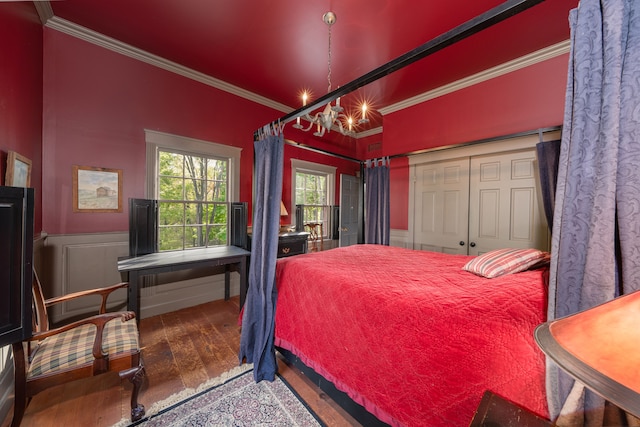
point(329, 62)
point(331, 115)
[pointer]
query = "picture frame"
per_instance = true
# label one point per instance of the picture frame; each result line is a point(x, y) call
point(18, 172)
point(97, 189)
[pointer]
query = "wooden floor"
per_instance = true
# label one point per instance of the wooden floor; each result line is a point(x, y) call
point(181, 349)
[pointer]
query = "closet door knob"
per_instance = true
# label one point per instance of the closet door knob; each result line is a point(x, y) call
point(461, 243)
point(472, 244)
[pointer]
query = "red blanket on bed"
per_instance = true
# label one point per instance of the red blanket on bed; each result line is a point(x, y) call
point(409, 335)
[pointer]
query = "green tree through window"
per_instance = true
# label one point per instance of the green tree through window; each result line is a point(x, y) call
point(311, 191)
point(192, 200)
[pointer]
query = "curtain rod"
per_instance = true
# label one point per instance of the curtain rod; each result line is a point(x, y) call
point(318, 150)
point(493, 16)
point(480, 141)
point(429, 150)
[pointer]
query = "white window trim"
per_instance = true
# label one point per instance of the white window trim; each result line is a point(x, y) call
point(305, 166)
point(159, 140)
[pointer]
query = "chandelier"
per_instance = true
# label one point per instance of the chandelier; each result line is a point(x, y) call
point(333, 115)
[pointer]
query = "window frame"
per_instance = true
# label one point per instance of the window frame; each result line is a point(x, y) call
point(158, 141)
point(329, 172)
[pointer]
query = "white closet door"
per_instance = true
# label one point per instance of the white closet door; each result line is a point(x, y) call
point(442, 206)
point(503, 203)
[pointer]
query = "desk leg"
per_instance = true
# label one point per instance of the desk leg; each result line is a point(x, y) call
point(227, 283)
point(243, 281)
point(132, 300)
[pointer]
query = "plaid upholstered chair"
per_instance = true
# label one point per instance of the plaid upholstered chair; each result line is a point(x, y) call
point(107, 342)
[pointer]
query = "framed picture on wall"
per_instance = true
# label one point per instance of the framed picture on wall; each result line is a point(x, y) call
point(18, 170)
point(97, 189)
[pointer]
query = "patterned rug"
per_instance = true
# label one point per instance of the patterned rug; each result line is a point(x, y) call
point(233, 399)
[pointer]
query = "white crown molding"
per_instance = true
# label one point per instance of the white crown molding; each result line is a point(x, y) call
point(117, 46)
point(45, 12)
point(46, 15)
point(507, 67)
point(370, 132)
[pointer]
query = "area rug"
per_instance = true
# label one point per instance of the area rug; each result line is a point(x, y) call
point(234, 399)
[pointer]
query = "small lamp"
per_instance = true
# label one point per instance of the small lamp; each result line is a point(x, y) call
point(600, 347)
point(283, 213)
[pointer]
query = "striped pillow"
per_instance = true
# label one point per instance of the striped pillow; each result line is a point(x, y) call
point(504, 261)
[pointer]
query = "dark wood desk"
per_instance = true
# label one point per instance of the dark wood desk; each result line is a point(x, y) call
point(163, 262)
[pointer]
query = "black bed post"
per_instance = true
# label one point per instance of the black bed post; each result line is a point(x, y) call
point(361, 221)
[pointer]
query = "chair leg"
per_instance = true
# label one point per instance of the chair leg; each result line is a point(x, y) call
point(19, 406)
point(135, 376)
point(20, 389)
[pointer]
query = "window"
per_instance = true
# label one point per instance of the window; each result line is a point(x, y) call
point(194, 183)
point(313, 186)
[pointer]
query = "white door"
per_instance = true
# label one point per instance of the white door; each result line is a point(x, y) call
point(349, 210)
point(503, 203)
point(442, 206)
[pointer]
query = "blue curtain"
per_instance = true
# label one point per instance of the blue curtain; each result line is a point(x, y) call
point(548, 154)
point(258, 319)
point(596, 224)
point(376, 179)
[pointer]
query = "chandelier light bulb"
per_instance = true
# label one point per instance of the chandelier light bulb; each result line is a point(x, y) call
point(364, 114)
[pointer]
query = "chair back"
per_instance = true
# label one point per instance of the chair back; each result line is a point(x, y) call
point(40, 316)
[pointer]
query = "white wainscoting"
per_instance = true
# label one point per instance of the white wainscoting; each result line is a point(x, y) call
point(86, 261)
point(399, 238)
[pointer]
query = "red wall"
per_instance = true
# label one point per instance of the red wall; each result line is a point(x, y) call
point(520, 101)
point(21, 91)
point(97, 104)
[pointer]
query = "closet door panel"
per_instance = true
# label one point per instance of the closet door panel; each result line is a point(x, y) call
point(522, 214)
point(442, 206)
point(503, 207)
point(489, 213)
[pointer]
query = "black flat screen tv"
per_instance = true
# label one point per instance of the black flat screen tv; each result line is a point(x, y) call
point(16, 263)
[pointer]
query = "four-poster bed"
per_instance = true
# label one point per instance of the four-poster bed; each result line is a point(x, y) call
point(442, 336)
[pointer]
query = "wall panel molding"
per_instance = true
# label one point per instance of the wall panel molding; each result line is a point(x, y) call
point(85, 261)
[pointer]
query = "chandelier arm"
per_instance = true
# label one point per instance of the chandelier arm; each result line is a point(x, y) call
point(311, 123)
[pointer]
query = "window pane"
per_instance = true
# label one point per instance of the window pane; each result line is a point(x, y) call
point(171, 213)
point(194, 167)
point(171, 188)
point(170, 238)
point(217, 170)
point(195, 189)
point(219, 215)
point(217, 191)
point(194, 237)
point(193, 180)
point(218, 235)
point(194, 213)
point(171, 164)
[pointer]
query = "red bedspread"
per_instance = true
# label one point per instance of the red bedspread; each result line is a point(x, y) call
point(411, 336)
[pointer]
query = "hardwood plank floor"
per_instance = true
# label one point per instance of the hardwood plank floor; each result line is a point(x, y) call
point(181, 350)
